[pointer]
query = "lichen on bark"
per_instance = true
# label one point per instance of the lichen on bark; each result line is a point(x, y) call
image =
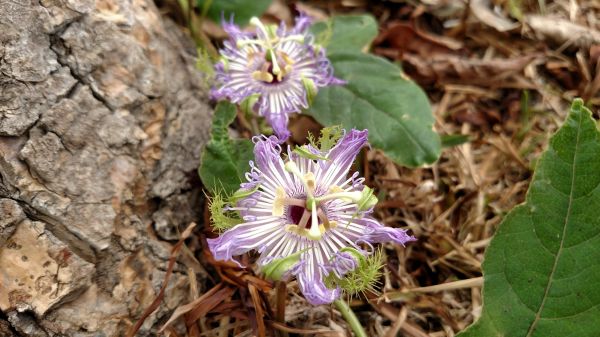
point(102, 120)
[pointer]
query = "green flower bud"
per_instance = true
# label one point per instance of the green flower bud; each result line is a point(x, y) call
point(311, 89)
point(277, 268)
point(358, 256)
point(367, 200)
point(247, 105)
point(241, 194)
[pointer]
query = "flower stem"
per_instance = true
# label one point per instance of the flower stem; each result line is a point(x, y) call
point(350, 318)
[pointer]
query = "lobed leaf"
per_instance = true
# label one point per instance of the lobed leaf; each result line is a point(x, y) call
point(224, 161)
point(542, 267)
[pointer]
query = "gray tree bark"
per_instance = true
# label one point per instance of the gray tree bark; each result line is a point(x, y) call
point(102, 120)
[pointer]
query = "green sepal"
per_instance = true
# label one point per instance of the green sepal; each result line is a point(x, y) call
point(358, 256)
point(303, 152)
point(241, 194)
point(311, 89)
point(277, 268)
point(368, 200)
point(248, 103)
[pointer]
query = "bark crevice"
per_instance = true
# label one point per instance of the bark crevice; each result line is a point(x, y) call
point(102, 120)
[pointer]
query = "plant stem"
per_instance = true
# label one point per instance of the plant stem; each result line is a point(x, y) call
point(350, 317)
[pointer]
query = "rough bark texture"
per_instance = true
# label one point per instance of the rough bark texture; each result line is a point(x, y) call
point(102, 120)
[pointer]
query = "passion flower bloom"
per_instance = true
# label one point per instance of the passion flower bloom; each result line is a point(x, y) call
point(273, 72)
point(309, 208)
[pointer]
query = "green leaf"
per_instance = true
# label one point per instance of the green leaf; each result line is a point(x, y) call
point(242, 10)
point(380, 98)
point(345, 32)
point(224, 161)
point(454, 140)
point(542, 268)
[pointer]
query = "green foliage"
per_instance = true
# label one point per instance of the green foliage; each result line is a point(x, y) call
point(329, 137)
point(542, 268)
point(304, 152)
point(242, 10)
point(453, 140)
point(224, 161)
point(345, 33)
point(378, 97)
point(220, 219)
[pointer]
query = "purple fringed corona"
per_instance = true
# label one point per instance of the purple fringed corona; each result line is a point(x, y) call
point(309, 207)
point(275, 71)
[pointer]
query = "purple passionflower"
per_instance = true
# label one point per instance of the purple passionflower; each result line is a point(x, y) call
point(275, 71)
point(306, 207)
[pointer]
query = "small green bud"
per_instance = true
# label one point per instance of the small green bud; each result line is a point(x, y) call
point(358, 256)
point(241, 194)
point(311, 89)
point(367, 199)
point(277, 268)
point(247, 105)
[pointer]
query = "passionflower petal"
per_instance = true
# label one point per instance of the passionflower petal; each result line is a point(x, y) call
point(273, 72)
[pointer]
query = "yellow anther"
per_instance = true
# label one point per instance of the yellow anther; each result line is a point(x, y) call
point(287, 69)
point(279, 202)
point(288, 60)
point(329, 225)
point(292, 228)
point(262, 76)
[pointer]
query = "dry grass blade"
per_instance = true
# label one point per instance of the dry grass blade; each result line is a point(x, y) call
point(258, 309)
point(393, 314)
point(563, 31)
point(172, 259)
point(395, 328)
point(190, 306)
point(281, 296)
point(285, 328)
point(483, 11)
point(207, 305)
point(470, 283)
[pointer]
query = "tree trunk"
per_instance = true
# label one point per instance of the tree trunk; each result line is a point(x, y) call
point(102, 120)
